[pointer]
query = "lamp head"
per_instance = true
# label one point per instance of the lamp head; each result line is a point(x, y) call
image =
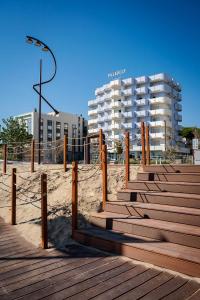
point(37, 43)
point(29, 40)
point(45, 48)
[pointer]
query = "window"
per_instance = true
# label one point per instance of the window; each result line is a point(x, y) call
point(58, 130)
point(74, 130)
point(66, 129)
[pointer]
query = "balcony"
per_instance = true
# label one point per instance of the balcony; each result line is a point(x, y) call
point(92, 102)
point(178, 117)
point(100, 109)
point(99, 91)
point(107, 107)
point(115, 83)
point(179, 127)
point(161, 100)
point(127, 103)
point(160, 88)
point(160, 124)
point(91, 122)
point(161, 111)
point(128, 81)
point(99, 120)
point(116, 115)
point(92, 112)
point(141, 80)
point(142, 90)
point(115, 126)
point(128, 92)
point(127, 125)
point(178, 106)
point(127, 114)
point(116, 104)
point(141, 113)
point(141, 102)
point(115, 94)
point(157, 135)
point(159, 77)
point(107, 118)
point(94, 130)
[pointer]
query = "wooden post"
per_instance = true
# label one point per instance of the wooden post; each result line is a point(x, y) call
point(74, 196)
point(65, 152)
point(4, 158)
point(143, 143)
point(104, 176)
point(147, 146)
point(73, 149)
point(127, 143)
point(32, 155)
point(44, 240)
point(13, 197)
point(100, 145)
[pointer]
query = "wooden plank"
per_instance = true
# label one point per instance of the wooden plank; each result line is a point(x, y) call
point(112, 282)
point(126, 286)
point(166, 288)
point(184, 291)
point(147, 287)
point(195, 296)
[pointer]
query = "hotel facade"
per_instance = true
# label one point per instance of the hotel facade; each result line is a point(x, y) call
point(121, 105)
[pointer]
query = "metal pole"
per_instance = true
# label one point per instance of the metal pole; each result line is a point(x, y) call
point(13, 197)
point(44, 228)
point(148, 146)
point(65, 152)
point(74, 196)
point(127, 159)
point(39, 117)
point(104, 176)
point(143, 143)
point(4, 158)
point(165, 135)
point(32, 155)
point(100, 145)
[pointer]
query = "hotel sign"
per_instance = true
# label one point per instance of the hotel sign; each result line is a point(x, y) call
point(116, 73)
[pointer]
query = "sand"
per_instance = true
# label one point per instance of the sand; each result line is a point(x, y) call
point(59, 198)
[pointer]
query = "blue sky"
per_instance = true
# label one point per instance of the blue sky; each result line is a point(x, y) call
point(91, 39)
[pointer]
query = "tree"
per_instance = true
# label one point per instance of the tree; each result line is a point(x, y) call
point(188, 133)
point(14, 132)
point(118, 147)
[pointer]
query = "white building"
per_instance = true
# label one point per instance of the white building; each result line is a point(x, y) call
point(122, 104)
point(54, 127)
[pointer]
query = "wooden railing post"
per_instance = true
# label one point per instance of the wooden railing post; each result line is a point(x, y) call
point(143, 143)
point(147, 146)
point(13, 196)
point(32, 155)
point(104, 176)
point(4, 158)
point(65, 150)
point(127, 143)
point(100, 145)
point(74, 196)
point(73, 149)
point(44, 227)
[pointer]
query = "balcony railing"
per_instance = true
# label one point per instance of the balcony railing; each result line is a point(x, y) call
point(128, 92)
point(141, 113)
point(116, 115)
point(178, 117)
point(161, 111)
point(141, 102)
point(141, 80)
point(115, 126)
point(142, 90)
point(127, 114)
point(116, 104)
point(178, 106)
point(160, 88)
point(115, 83)
point(128, 81)
point(115, 94)
point(127, 103)
point(94, 130)
point(92, 112)
point(90, 122)
point(157, 135)
point(165, 100)
point(160, 124)
point(159, 77)
point(127, 125)
point(92, 102)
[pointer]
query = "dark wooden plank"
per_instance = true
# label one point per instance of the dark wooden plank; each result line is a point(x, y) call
point(147, 287)
point(68, 279)
point(195, 296)
point(166, 288)
point(52, 277)
point(126, 286)
point(112, 282)
point(183, 292)
point(117, 267)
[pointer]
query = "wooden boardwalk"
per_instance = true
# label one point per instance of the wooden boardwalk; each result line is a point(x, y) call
point(27, 272)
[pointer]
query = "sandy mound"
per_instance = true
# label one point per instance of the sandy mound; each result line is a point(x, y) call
point(59, 198)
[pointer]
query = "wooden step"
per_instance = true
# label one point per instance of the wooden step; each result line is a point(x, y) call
point(177, 233)
point(172, 177)
point(161, 186)
point(164, 254)
point(172, 168)
point(166, 198)
point(184, 215)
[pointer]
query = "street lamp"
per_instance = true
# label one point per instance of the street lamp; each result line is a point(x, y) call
point(38, 43)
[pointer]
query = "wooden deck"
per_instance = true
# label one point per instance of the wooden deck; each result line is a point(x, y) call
point(27, 272)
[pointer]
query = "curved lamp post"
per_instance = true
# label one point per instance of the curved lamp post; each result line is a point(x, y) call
point(38, 43)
